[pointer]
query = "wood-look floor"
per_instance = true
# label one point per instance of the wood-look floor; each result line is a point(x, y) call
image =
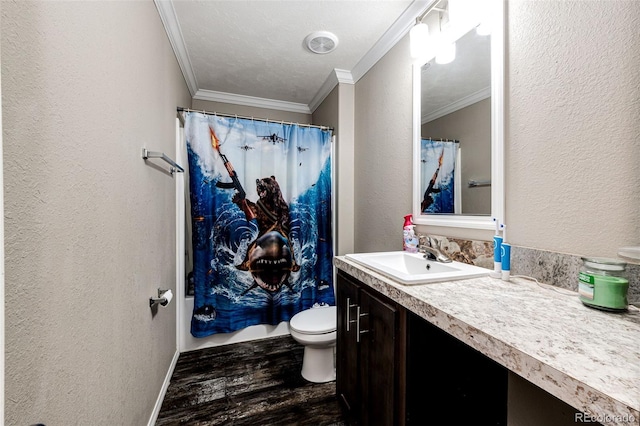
point(250, 383)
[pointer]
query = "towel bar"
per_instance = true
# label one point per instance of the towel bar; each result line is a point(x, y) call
point(476, 183)
point(146, 154)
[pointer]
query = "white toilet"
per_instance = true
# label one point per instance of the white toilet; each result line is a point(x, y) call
point(315, 328)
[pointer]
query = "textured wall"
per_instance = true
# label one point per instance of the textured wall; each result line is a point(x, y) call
point(383, 151)
point(90, 229)
point(573, 135)
point(572, 132)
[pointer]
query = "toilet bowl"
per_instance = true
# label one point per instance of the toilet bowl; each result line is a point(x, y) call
point(315, 328)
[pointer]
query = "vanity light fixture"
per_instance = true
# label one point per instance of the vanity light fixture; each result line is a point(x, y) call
point(446, 50)
point(446, 53)
point(441, 43)
point(419, 39)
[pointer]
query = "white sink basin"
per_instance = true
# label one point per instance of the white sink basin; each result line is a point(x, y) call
point(413, 268)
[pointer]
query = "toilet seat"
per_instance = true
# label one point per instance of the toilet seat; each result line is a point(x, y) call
point(320, 320)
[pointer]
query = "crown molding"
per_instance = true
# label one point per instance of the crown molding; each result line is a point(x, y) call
point(231, 98)
point(174, 33)
point(388, 40)
point(343, 76)
point(335, 77)
point(391, 37)
point(459, 104)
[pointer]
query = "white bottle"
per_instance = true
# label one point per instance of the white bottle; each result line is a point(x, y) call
point(410, 239)
point(407, 229)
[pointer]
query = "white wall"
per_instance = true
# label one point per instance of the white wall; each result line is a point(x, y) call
point(573, 135)
point(90, 229)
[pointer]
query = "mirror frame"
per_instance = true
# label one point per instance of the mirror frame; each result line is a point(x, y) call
point(497, 139)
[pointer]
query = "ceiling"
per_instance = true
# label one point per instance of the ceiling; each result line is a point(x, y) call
point(253, 53)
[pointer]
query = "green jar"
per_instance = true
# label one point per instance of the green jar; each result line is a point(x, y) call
point(603, 284)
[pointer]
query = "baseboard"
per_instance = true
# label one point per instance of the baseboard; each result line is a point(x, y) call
point(163, 390)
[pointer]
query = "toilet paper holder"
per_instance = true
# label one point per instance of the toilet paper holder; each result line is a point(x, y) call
point(164, 297)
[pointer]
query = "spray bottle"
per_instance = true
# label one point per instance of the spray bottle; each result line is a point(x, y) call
point(409, 237)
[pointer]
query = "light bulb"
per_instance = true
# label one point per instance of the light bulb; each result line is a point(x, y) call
point(418, 40)
point(446, 53)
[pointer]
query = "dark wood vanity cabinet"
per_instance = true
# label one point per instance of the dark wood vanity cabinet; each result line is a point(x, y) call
point(370, 355)
point(449, 383)
point(395, 368)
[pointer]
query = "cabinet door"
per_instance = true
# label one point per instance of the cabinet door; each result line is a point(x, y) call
point(347, 349)
point(378, 322)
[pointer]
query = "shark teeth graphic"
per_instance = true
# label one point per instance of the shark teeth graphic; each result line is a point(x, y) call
point(271, 262)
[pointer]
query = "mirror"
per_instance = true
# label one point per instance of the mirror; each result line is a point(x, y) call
point(458, 129)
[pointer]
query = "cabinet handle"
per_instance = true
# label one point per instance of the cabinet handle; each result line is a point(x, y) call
point(349, 306)
point(346, 403)
point(358, 331)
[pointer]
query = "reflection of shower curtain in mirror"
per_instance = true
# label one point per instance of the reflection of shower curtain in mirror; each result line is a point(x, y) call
point(261, 214)
point(437, 172)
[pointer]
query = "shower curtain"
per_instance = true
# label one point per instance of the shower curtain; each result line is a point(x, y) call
point(438, 161)
point(261, 215)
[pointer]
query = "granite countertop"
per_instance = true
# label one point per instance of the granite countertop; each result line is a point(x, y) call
point(588, 358)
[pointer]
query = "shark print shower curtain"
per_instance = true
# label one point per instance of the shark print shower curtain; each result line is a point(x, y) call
point(261, 215)
point(438, 160)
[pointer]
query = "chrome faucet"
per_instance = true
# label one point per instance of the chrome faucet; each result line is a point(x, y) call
point(431, 249)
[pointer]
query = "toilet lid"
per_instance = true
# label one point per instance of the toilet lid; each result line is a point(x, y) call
point(315, 320)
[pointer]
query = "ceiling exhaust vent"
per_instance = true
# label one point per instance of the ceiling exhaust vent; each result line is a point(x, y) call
point(321, 42)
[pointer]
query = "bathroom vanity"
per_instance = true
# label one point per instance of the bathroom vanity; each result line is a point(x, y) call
point(442, 353)
point(370, 368)
point(389, 373)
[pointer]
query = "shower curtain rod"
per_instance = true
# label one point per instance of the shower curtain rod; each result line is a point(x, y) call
point(220, 114)
point(441, 140)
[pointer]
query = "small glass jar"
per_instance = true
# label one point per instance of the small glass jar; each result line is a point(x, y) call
point(603, 284)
